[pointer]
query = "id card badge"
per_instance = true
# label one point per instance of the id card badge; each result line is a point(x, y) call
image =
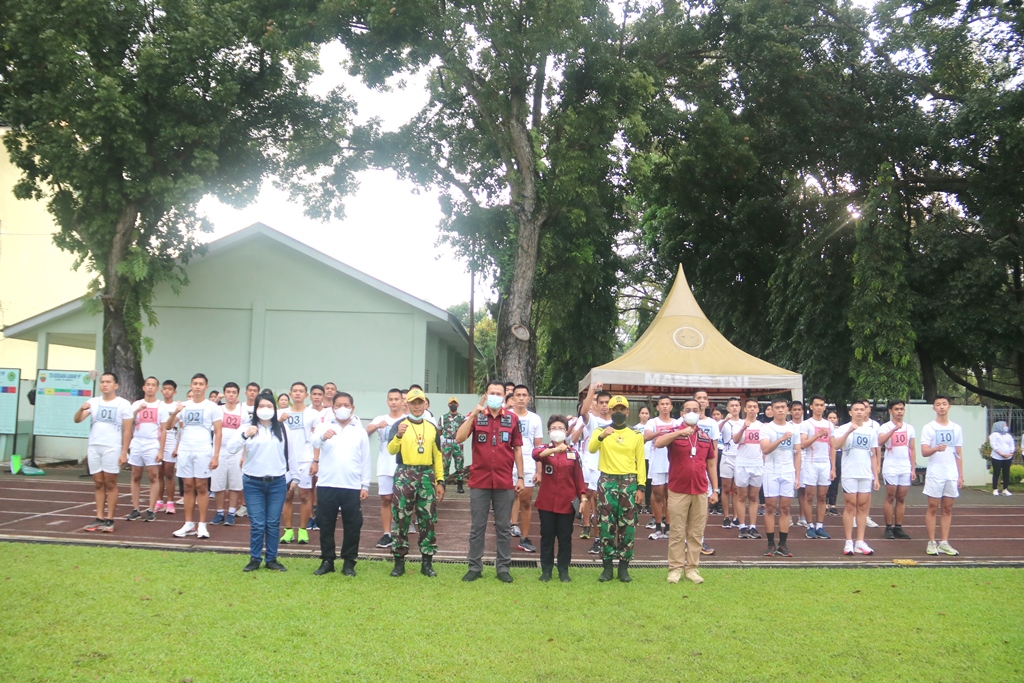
point(693, 451)
point(570, 456)
point(504, 437)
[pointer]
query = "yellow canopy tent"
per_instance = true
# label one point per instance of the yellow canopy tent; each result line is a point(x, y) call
point(682, 351)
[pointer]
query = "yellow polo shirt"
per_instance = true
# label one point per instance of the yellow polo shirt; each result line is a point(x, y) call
point(621, 453)
point(424, 433)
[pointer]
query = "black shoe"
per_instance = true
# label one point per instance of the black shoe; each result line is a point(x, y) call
point(563, 575)
point(752, 532)
point(743, 533)
point(770, 550)
point(254, 564)
point(760, 510)
point(783, 551)
point(471, 575)
point(150, 516)
point(385, 541)
point(545, 574)
point(274, 565)
point(399, 569)
point(596, 548)
point(427, 566)
point(609, 572)
point(504, 577)
point(133, 515)
point(326, 567)
point(460, 489)
point(349, 568)
point(899, 533)
point(526, 546)
point(624, 571)
point(705, 549)
point(889, 534)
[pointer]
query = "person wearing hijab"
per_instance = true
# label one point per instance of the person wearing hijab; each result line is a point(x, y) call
point(1001, 441)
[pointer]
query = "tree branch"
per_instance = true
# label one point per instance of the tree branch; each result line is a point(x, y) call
point(964, 382)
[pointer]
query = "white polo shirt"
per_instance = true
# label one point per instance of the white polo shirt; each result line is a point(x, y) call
point(344, 458)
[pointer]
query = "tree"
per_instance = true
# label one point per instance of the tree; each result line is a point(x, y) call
point(124, 115)
point(519, 134)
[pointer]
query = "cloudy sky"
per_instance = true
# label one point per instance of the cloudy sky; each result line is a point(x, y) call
point(384, 210)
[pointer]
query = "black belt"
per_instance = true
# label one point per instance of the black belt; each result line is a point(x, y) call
point(265, 480)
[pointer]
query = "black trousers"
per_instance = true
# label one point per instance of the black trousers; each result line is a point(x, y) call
point(331, 501)
point(647, 485)
point(553, 526)
point(833, 487)
point(1003, 467)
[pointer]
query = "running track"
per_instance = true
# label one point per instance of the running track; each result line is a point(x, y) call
point(55, 510)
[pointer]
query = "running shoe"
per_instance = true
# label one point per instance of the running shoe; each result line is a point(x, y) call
point(760, 510)
point(288, 537)
point(727, 523)
point(705, 549)
point(108, 526)
point(202, 532)
point(899, 533)
point(743, 532)
point(595, 549)
point(170, 508)
point(303, 537)
point(652, 524)
point(802, 522)
point(385, 541)
point(770, 550)
point(150, 516)
point(242, 512)
point(180, 501)
point(944, 546)
point(888, 535)
point(229, 519)
point(133, 515)
point(848, 548)
point(189, 529)
point(863, 548)
point(516, 531)
point(217, 518)
point(832, 511)
point(526, 546)
point(995, 492)
point(752, 532)
point(1006, 493)
point(820, 533)
point(871, 524)
point(812, 533)
point(159, 507)
point(933, 548)
point(585, 533)
point(783, 551)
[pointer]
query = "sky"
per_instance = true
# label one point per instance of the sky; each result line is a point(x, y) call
point(390, 226)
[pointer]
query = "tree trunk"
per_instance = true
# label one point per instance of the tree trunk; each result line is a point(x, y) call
point(121, 343)
point(927, 374)
point(515, 356)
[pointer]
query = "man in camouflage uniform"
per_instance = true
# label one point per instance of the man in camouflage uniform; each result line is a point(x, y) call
point(419, 481)
point(450, 424)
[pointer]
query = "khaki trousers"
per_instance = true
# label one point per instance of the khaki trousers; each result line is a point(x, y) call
point(687, 516)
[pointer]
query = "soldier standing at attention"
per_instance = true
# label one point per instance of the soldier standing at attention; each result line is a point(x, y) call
point(450, 424)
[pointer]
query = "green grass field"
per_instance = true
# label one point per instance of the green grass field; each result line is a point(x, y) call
point(86, 614)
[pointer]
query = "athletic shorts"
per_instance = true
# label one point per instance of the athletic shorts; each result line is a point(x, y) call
point(858, 485)
point(728, 468)
point(748, 476)
point(169, 455)
point(385, 485)
point(194, 464)
point(660, 479)
point(776, 485)
point(591, 477)
point(143, 457)
point(104, 459)
point(896, 479)
point(228, 475)
point(527, 477)
point(940, 488)
point(303, 476)
point(815, 474)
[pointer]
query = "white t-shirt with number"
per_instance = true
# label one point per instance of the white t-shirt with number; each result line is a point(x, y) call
point(108, 421)
point(730, 448)
point(710, 429)
point(231, 422)
point(163, 414)
point(897, 448)
point(386, 464)
point(196, 421)
point(530, 427)
point(942, 464)
point(146, 431)
point(659, 456)
point(749, 453)
point(857, 444)
point(594, 423)
point(781, 460)
point(299, 427)
point(818, 451)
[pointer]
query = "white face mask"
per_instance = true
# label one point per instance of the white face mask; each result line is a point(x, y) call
point(264, 413)
point(557, 435)
point(343, 413)
point(691, 419)
point(494, 402)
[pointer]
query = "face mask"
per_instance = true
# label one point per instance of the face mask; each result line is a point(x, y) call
point(343, 413)
point(618, 419)
point(558, 436)
point(264, 413)
point(413, 418)
point(691, 418)
point(494, 402)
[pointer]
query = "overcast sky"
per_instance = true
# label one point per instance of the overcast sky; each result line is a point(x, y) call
point(384, 211)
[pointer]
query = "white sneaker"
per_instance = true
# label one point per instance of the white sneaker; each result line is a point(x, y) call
point(932, 549)
point(242, 512)
point(516, 531)
point(1006, 493)
point(656, 536)
point(189, 529)
point(945, 547)
point(652, 524)
point(675, 575)
point(202, 532)
point(848, 548)
point(995, 492)
point(872, 524)
point(802, 522)
point(863, 548)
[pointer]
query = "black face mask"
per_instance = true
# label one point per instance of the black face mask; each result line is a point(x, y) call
point(618, 420)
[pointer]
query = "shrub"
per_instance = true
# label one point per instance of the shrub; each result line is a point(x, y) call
point(1016, 474)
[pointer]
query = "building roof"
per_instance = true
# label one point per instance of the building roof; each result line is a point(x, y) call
point(682, 351)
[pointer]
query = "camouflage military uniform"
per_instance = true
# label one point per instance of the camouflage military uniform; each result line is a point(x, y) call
point(452, 451)
point(617, 515)
point(414, 495)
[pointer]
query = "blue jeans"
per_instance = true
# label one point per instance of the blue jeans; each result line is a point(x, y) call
point(264, 499)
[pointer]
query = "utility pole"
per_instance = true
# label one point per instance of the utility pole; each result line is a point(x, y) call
point(472, 328)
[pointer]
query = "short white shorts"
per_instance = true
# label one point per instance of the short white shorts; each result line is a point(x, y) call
point(776, 485)
point(527, 477)
point(143, 457)
point(728, 468)
point(385, 485)
point(858, 485)
point(303, 476)
point(169, 455)
point(194, 465)
point(896, 479)
point(659, 479)
point(748, 476)
point(815, 474)
point(228, 475)
point(104, 459)
point(591, 477)
point(940, 488)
